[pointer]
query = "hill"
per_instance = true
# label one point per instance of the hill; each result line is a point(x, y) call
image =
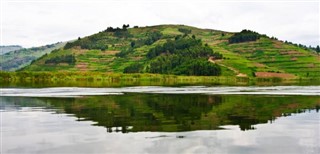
point(17, 59)
point(182, 50)
point(7, 48)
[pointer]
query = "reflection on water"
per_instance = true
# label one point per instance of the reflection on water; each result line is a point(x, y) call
point(136, 112)
point(62, 125)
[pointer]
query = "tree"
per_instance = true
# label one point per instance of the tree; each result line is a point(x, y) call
point(110, 29)
point(185, 31)
point(244, 36)
point(103, 47)
point(318, 49)
point(133, 68)
point(124, 26)
point(69, 59)
point(183, 56)
point(132, 44)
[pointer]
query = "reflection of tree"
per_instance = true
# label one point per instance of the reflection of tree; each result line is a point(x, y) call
point(183, 112)
point(246, 111)
point(144, 112)
point(164, 112)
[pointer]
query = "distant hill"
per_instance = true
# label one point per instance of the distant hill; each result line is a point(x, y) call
point(17, 59)
point(182, 50)
point(8, 48)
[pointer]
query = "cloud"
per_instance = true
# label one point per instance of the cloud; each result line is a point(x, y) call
point(45, 22)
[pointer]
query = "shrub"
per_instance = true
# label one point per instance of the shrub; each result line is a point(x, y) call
point(134, 68)
point(244, 36)
point(69, 59)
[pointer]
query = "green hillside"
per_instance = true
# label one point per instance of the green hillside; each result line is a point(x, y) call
point(16, 59)
point(182, 50)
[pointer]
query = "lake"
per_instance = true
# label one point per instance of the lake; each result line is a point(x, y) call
point(154, 119)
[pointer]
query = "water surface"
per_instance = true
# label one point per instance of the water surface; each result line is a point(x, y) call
point(77, 91)
point(161, 120)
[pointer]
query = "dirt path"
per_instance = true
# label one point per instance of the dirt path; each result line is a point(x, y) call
point(230, 68)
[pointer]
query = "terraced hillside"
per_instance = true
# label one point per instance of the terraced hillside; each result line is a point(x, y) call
point(182, 50)
point(267, 55)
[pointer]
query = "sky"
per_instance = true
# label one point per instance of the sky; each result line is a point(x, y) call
point(32, 23)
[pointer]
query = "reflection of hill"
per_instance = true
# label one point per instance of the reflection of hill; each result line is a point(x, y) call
point(170, 113)
point(16, 103)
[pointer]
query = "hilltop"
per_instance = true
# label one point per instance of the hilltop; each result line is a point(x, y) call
point(182, 50)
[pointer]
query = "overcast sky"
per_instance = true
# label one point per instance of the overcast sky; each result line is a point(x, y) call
point(39, 22)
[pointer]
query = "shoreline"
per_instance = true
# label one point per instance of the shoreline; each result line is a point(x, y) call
point(99, 79)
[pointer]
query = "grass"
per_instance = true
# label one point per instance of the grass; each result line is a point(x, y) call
point(171, 32)
point(99, 79)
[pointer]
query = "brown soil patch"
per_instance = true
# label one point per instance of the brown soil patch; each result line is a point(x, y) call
point(292, 52)
point(94, 59)
point(294, 58)
point(242, 75)
point(270, 75)
point(259, 65)
point(312, 65)
point(82, 66)
point(211, 59)
point(79, 51)
point(277, 44)
point(110, 52)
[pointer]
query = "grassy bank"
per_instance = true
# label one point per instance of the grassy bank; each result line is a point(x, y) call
point(98, 79)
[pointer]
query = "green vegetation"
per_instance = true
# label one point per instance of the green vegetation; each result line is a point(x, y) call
point(244, 36)
point(184, 50)
point(99, 79)
point(69, 59)
point(185, 31)
point(111, 79)
point(183, 56)
point(184, 66)
point(87, 44)
point(266, 55)
point(134, 68)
